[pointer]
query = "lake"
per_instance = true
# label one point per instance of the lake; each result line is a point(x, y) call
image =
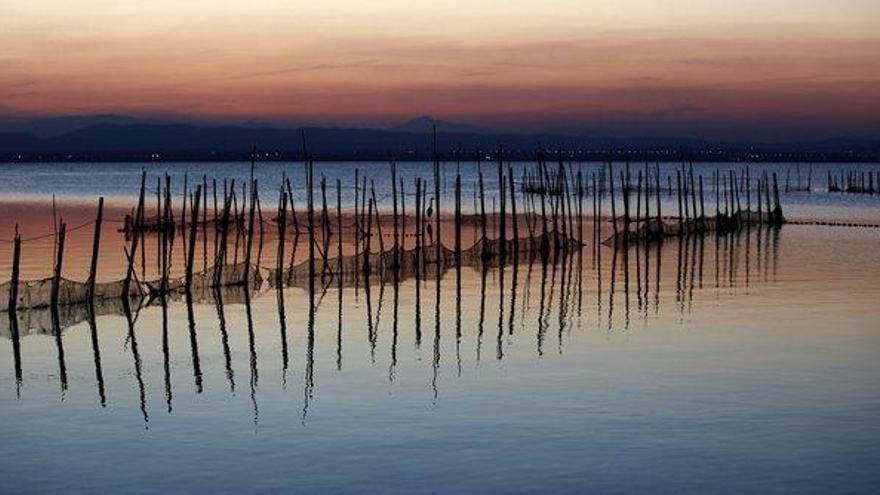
point(731, 364)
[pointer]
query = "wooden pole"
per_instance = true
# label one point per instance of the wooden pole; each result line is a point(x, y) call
point(339, 235)
point(580, 207)
point(595, 209)
point(402, 218)
point(702, 202)
point(167, 231)
point(378, 223)
point(235, 219)
point(296, 228)
point(183, 214)
point(625, 189)
point(438, 245)
point(96, 243)
point(483, 226)
point(760, 206)
point(418, 219)
point(250, 236)
point(193, 230)
point(684, 192)
point(514, 219)
point(220, 258)
point(368, 239)
point(357, 221)
point(205, 224)
point(693, 191)
point(216, 216)
point(777, 211)
point(363, 206)
point(458, 217)
point(325, 224)
point(160, 223)
point(396, 262)
point(59, 261)
point(638, 196)
point(657, 184)
point(678, 187)
point(138, 226)
point(613, 206)
point(647, 200)
point(282, 231)
point(731, 189)
point(16, 265)
point(502, 186)
point(310, 214)
point(748, 194)
point(260, 223)
point(736, 191)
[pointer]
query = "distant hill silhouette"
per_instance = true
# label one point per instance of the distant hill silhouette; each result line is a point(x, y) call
point(143, 141)
point(129, 139)
point(425, 125)
point(56, 126)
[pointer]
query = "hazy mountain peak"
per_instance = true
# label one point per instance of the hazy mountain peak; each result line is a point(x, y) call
point(423, 124)
point(55, 126)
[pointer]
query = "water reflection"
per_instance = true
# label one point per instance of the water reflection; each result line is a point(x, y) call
point(252, 349)
point(96, 353)
point(166, 360)
point(562, 286)
point(59, 344)
point(131, 339)
point(193, 342)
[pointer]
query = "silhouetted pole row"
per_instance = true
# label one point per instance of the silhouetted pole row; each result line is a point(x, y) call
point(552, 195)
point(691, 217)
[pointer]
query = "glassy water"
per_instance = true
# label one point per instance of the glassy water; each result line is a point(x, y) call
point(120, 181)
point(744, 364)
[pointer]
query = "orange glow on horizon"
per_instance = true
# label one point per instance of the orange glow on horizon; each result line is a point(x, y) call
point(483, 61)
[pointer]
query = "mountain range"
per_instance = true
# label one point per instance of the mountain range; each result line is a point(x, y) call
point(121, 137)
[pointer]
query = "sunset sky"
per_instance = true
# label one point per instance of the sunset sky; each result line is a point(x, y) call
point(753, 67)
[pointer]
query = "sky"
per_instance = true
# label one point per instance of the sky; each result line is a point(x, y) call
point(750, 68)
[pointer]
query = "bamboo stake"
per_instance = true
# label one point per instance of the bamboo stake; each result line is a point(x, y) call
point(183, 214)
point(311, 227)
point(378, 224)
point(59, 260)
point(192, 238)
point(418, 218)
point(249, 239)
point(325, 224)
point(458, 217)
point(396, 253)
point(502, 235)
point(13, 284)
point(438, 245)
point(613, 206)
point(282, 231)
point(514, 218)
point(657, 183)
point(260, 223)
point(402, 218)
point(138, 226)
point(339, 236)
point(367, 247)
point(96, 243)
point(205, 224)
point(483, 227)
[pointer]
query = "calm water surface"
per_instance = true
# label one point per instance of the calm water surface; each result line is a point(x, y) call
point(741, 365)
point(120, 181)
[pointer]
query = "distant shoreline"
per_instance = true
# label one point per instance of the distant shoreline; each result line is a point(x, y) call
point(592, 157)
